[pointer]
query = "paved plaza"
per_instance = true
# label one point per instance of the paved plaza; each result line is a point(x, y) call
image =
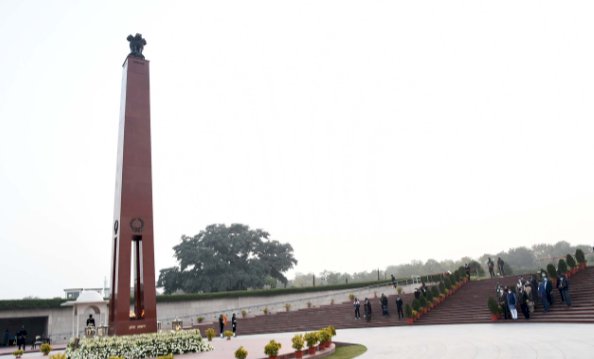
point(513, 340)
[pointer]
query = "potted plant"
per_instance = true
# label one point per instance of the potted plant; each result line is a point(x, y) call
point(45, 348)
point(416, 305)
point(494, 308)
point(423, 305)
point(58, 356)
point(228, 334)
point(581, 258)
point(243, 313)
point(298, 343)
point(311, 339)
point(324, 337)
point(351, 297)
point(17, 353)
point(408, 314)
point(200, 319)
point(265, 311)
point(571, 263)
point(271, 349)
point(241, 353)
point(562, 266)
point(287, 307)
point(210, 333)
point(166, 356)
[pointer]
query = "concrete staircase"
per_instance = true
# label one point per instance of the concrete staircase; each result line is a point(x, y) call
point(469, 304)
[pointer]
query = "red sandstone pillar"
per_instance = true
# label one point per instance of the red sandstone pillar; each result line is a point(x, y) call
point(133, 307)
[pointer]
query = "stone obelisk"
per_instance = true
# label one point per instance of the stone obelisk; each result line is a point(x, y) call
point(132, 306)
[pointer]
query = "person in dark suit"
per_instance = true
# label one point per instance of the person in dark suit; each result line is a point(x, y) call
point(234, 324)
point(221, 325)
point(367, 309)
point(563, 286)
point(399, 307)
point(22, 338)
point(542, 293)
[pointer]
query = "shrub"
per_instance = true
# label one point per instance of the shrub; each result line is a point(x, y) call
point(58, 356)
point(167, 356)
point(244, 313)
point(17, 353)
point(200, 319)
point(551, 270)
point(311, 338)
point(228, 334)
point(331, 329)
point(272, 348)
point(493, 306)
point(399, 290)
point(562, 266)
point(265, 311)
point(447, 282)
point(442, 287)
point(422, 302)
point(570, 261)
point(287, 307)
point(309, 305)
point(298, 342)
point(45, 348)
point(351, 297)
point(435, 291)
point(210, 333)
point(429, 295)
point(241, 353)
point(416, 305)
point(579, 256)
point(407, 311)
point(324, 335)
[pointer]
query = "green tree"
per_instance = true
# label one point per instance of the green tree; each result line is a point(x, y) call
point(222, 258)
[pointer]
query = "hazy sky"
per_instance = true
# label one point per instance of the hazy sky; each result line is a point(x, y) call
point(364, 133)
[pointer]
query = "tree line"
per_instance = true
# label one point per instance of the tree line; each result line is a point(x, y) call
point(236, 257)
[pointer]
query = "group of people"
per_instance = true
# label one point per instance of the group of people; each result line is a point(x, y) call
point(383, 301)
point(223, 321)
point(530, 292)
point(500, 267)
point(20, 338)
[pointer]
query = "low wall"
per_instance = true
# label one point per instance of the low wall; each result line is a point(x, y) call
point(60, 321)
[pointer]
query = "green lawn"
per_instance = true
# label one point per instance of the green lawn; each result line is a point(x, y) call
point(348, 351)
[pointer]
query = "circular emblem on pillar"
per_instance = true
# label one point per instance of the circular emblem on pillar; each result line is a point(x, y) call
point(116, 225)
point(136, 224)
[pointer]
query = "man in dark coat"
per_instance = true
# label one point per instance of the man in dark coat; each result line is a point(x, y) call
point(384, 304)
point(491, 265)
point(399, 307)
point(22, 338)
point(234, 324)
point(221, 325)
point(542, 294)
point(563, 286)
point(367, 309)
point(500, 264)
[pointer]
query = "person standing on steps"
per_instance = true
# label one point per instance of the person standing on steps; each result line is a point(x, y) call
point(399, 307)
point(357, 305)
point(563, 286)
point(542, 293)
point(367, 309)
point(234, 324)
point(221, 324)
point(384, 305)
point(512, 299)
point(491, 265)
point(500, 264)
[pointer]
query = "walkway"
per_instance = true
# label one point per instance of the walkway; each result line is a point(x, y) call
point(521, 340)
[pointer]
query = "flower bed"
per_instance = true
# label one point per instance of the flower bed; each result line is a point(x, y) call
point(139, 346)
